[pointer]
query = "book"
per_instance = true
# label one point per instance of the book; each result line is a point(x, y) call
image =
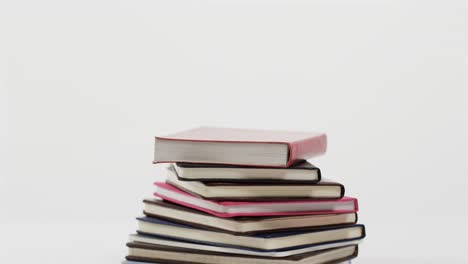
point(256, 208)
point(303, 172)
point(256, 190)
point(265, 241)
point(174, 255)
point(141, 262)
point(242, 225)
point(248, 147)
point(234, 249)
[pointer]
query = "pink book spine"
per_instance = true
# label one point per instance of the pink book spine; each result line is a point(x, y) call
point(307, 148)
point(227, 215)
point(231, 203)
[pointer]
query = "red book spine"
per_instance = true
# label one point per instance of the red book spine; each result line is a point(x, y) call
point(307, 148)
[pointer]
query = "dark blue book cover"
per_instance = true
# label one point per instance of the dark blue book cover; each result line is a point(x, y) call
point(264, 235)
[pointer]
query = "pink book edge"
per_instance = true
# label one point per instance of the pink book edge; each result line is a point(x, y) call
point(230, 203)
point(246, 135)
point(290, 163)
point(170, 187)
point(306, 148)
point(226, 215)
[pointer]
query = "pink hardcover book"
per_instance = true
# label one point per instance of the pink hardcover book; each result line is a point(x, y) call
point(247, 147)
point(269, 208)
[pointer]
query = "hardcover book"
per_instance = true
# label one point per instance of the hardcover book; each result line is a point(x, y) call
point(257, 208)
point(242, 225)
point(303, 172)
point(239, 147)
point(257, 190)
point(265, 241)
point(278, 253)
point(174, 255)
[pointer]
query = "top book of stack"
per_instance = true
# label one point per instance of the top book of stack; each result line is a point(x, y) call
point(240, 147)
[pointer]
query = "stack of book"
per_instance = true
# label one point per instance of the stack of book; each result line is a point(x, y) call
point(245, 196)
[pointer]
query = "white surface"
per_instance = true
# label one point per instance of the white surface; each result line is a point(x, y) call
point(85, 85)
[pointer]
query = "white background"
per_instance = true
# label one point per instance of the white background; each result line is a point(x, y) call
point(85, 85)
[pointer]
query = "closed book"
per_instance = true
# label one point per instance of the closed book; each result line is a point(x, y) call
point(257, 190)
point(143, 262)
point(230, 249)
point(256, 208)
point(303, 172)
point(265, 241)
point(174, 255)
point(242, 225)
point(248, 147)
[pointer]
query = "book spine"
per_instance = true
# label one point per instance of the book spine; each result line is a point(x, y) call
point(307, 148)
